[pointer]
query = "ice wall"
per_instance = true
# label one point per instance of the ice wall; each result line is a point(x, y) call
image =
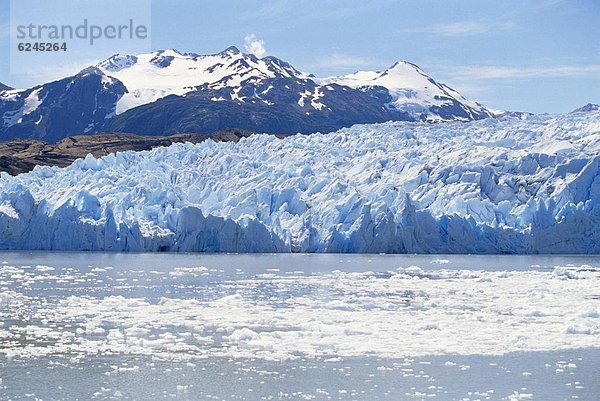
point(492, 186)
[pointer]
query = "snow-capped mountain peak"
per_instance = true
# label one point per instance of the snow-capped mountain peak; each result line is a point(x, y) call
point(415, 92)
point(168, 91)
point(4, 87)
point(149, 77)
point(231, 50)
point(588, 108)
point(117, 62)
point(407, 88)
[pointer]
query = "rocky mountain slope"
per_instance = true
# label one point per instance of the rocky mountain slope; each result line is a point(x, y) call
point(410, 90)
point(590, 107)
point(22, 155)
point(168, 92)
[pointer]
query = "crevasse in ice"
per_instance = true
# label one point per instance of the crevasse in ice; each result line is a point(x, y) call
point(503, 185)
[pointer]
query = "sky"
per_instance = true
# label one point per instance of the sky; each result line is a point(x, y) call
point(537, 56)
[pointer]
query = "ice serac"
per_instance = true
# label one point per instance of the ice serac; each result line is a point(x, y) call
point(506, 185)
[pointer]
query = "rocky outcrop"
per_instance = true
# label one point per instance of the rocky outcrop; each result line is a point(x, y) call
point(22, 155)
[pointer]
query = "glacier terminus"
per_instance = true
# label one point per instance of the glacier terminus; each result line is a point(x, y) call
point(527, 184)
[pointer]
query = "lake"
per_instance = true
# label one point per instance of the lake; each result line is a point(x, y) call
point(295, 326)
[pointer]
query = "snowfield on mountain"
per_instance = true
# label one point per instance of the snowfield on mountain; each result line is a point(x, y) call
point(414, 92)
point(167, 92)
point(149, 77)
point(503, 185)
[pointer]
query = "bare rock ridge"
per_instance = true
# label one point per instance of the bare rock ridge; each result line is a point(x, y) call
point(22, 155)
point(167, 92)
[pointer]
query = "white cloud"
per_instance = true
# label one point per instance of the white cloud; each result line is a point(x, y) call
point(511, 72)
point(344, 61)
point(255, 45)
point(42, 73)
point(464, 28)
point(271, 9)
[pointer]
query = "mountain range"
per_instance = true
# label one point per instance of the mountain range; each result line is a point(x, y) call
point(167, 92)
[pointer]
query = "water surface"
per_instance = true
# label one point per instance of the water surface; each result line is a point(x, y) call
point(198, 326)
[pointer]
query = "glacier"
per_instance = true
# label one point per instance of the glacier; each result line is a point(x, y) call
point(504, 185)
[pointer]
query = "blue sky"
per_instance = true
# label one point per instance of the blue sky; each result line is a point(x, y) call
point(538, 56)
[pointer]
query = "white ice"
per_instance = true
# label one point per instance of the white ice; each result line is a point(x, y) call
point(495, 185)
point(406, 312)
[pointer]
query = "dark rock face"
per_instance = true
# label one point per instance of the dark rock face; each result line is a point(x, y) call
point(266, 95)
point(85, 104)
point(70, 106)
point(456, 109)
point(4, 87)
point(590, 107)
point(22, 155)
point(274, 110)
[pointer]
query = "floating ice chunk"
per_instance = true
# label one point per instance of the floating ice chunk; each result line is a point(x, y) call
point(244, 334)
point(189, 271)
point(590, 328)
point(591, 312)
point(362, 313)
point(516, 396)
point(564, 273)
point(43, 268)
